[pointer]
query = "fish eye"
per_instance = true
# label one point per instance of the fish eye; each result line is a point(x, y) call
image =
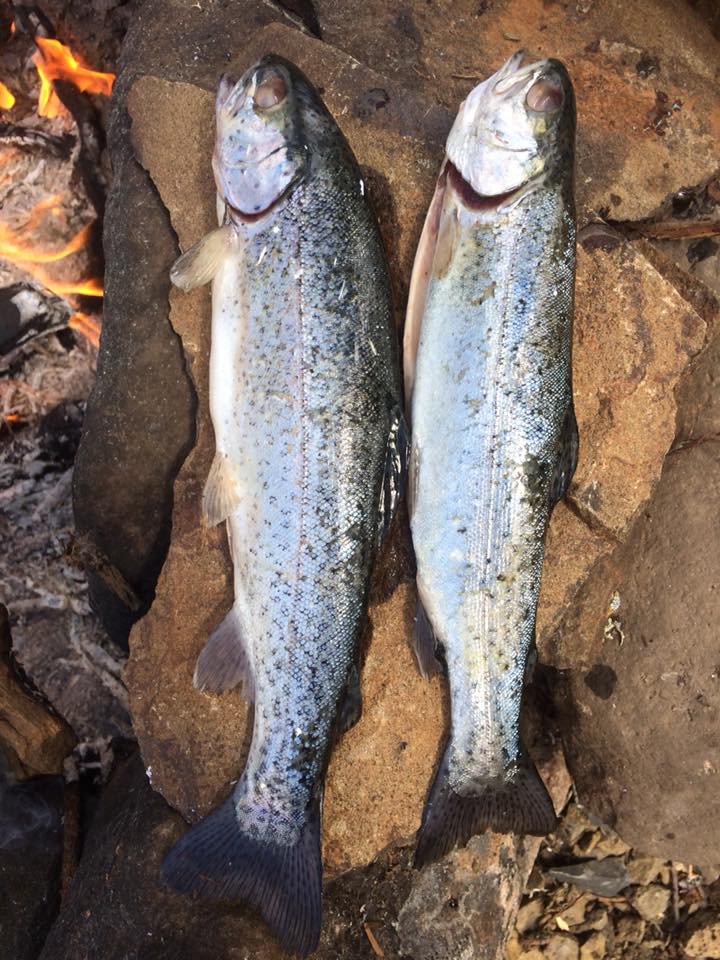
point(545, 96)
point(270, 92)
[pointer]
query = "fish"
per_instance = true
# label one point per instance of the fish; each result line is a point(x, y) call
point(311, 451)
point(488, 374)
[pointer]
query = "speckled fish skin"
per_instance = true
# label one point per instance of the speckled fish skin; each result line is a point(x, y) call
point(306, 403)
point(494, 438)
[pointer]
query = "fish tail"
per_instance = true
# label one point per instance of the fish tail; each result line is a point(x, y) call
point(217, 860)
point(518, 804)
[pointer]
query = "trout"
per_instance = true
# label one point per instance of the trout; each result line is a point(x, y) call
point(305, 399)
point(494, 438)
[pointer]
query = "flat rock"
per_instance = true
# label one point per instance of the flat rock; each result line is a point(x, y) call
point(652, 903)
point(642, 699)
point(636, 334)
point(561, 946)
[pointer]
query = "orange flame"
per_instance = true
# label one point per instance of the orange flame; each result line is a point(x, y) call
point(14, 247)
point(83, 288)
point(87, 325)
point(7, 99)
point(55, 61)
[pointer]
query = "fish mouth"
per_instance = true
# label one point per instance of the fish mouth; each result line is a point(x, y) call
point(470, 198)
point(512, 75)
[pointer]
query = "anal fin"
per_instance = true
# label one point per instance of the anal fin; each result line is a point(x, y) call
point(351, 705)
point(567, 460)
point(221, 496)
point(425, 646)
point(225, 661)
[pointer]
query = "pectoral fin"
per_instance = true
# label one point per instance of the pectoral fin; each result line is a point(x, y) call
point(419, 281)
point(427, 650)
point(201, 262)
point(221, 496)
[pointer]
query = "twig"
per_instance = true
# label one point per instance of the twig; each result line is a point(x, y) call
point(376, 948)
point(670, 229)
point(675, 892)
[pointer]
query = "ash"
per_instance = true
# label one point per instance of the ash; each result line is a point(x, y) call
point(56, 638)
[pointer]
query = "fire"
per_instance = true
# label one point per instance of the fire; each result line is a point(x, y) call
point(87, 325)
point(7, 99)
point(14, 246)
point(55, 61)
point(14, 249)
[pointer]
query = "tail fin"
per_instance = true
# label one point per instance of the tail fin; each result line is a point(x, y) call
point(519, 805)
point(215, 859)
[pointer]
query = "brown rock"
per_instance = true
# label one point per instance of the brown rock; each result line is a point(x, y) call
point(652, 904)
point(561, 946)
point(643, 870)
point(529, 914)
point(594, 948)
point(631, 929)
point(621, 370)
point(704, 942)
point(34, 739)
point(644, 699)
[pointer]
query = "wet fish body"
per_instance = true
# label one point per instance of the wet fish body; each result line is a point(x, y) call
point(305, 399)
point(488, 361)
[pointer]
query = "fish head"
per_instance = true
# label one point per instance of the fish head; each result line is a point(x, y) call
point(514, 127)
point(259, 154)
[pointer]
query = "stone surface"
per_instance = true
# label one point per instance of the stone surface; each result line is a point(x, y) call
point(634, 336)
point(636, 333)
point(561, 946)
point(34, 739)
point(643, 870)
point(31, 845)
point(704, 942)
point(594, 948)
point(643, 693)
point(529, 914)
point(652, 903)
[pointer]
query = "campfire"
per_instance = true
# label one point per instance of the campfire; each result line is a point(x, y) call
point(52, 188)
point(52, 194)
